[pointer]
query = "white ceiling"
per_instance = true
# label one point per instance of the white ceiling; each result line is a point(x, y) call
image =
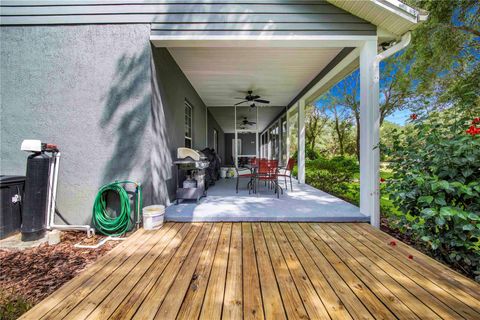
point(277, 74)
point(225, 116)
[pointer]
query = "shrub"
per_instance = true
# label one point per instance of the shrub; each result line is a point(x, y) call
point(436, 186)
point(331, 174)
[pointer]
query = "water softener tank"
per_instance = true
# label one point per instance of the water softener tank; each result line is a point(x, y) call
point(35, 197)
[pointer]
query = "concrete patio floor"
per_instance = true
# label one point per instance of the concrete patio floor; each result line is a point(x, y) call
point(304, 203)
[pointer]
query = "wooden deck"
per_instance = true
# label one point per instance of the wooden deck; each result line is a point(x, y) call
point(263, 271)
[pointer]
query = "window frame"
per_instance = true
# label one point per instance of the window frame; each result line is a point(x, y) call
point(215, 140)
point(188, 105)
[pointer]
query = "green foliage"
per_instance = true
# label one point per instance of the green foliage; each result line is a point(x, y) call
point(12, 306)
point(436, 186)
point(443, 55)
point(331, 174)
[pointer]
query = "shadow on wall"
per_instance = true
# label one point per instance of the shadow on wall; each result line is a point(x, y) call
point(126, 118)
point(161, 158)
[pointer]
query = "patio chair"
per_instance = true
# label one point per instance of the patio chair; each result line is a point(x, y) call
point(244, 173)
point(287, 172)
point(268, 172)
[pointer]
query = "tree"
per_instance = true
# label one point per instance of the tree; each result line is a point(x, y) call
point(315, 122)
point(394, 93)
point(342, 123)
point(444, 53)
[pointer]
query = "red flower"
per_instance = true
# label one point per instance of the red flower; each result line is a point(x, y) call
point(413, 116)
point(473, 131)
point(393, 243)
point(410, 257)
point(382, 180)
point(476, 120)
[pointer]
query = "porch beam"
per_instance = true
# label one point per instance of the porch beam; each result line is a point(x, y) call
point(264, 40)
point(369, 133)
point(301, 141)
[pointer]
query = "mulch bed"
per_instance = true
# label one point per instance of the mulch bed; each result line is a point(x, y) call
point(405, 238)
point(30, 275)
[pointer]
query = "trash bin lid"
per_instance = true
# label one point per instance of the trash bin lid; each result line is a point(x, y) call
point(6, 180)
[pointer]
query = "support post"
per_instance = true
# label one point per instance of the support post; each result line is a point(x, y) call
point(369, 133)
point(288, 134)
point(301, 141)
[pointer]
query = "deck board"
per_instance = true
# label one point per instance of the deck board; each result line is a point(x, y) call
point(263, 271)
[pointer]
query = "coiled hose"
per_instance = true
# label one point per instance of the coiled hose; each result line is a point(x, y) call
point(102, 220)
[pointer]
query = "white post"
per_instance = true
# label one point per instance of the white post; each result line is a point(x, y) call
point(256, 137)
point(301, 141)
point(235, 151)
point(288, 134)
point(369, 133)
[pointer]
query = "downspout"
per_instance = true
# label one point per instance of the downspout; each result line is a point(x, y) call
point(404, 42)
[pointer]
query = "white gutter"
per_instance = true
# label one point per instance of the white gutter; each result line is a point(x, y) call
point(404, 42)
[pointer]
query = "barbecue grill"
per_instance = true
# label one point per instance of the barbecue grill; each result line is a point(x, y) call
point(193, 164)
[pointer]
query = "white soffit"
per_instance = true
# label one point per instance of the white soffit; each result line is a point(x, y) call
point(276, 74)
point(391, 15)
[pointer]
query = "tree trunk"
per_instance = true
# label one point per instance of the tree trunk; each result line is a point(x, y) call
point(340, 136)
point(357, 136)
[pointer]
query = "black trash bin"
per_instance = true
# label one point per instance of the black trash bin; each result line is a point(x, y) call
point(11, 196)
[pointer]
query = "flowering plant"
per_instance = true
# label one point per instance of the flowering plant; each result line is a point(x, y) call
point(436, 185)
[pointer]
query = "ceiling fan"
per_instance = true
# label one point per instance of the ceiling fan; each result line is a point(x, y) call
point(245, 122)
point(250, 97)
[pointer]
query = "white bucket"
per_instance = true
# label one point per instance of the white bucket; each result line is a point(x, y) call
point(153, 217)
point(223, 172)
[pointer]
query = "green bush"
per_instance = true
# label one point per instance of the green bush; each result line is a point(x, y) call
point(436, 187)
point(332, 175)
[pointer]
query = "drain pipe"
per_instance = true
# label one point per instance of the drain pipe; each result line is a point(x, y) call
point(52, 196)
point(403, 43)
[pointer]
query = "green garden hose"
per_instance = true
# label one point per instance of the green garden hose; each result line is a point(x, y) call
point(102, 220)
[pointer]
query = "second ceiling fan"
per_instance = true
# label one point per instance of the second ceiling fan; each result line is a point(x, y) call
point(250, 97)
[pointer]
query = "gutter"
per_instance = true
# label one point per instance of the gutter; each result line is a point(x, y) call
point(404, 42)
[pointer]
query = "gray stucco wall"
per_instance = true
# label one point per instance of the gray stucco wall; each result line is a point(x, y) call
point(90, 90)
point(213, 124)
point(170, 90)
point(86, 89)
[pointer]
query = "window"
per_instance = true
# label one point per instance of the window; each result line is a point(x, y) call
point(215, 140)
point(188, 125)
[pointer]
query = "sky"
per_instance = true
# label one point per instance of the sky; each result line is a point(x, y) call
point(399, 117)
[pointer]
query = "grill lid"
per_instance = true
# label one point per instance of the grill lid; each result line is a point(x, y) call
point(185, 153)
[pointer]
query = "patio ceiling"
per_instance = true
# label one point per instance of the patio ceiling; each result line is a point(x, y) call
point(277, 74)
point(224, 116)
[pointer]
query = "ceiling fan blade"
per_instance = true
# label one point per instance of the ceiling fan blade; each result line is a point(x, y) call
point(236, 104)
point(251, 122)
point(262, 101)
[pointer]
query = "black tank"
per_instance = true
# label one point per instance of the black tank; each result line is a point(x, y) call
point(35, 197)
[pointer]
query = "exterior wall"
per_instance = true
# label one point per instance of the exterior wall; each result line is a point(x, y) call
point(212, 124)
point(171, 88)
point(194, 17)
point(87, 89)
point(90, 90)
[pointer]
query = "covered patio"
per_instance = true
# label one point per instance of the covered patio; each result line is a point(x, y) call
point(304, 203)
point(255, 86)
